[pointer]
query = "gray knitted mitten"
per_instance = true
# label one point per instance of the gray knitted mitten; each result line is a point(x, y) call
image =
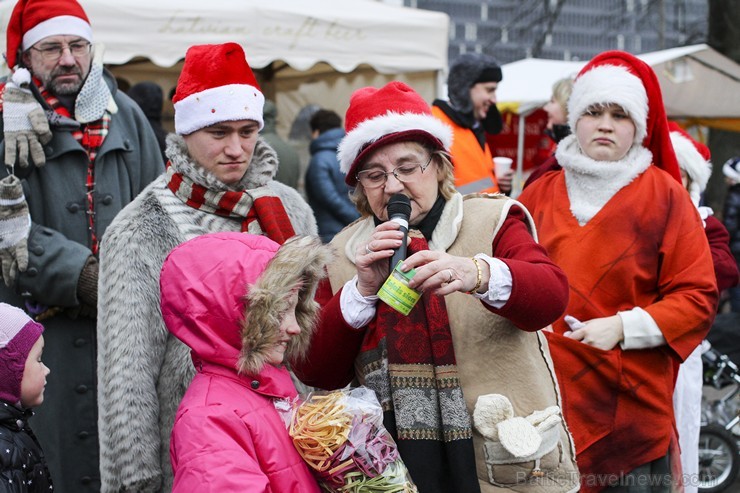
point(24, 122)
point(15, 224)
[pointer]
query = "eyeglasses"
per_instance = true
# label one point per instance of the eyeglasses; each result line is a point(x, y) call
point(373, 178)
point(78, 49)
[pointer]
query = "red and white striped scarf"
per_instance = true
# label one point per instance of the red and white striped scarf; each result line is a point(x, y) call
point(91, 137)
point(260, 210)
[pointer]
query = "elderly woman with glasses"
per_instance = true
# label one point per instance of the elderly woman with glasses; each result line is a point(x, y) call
point(487, 288)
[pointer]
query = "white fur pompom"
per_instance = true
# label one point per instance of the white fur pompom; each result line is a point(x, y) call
point(21, 76)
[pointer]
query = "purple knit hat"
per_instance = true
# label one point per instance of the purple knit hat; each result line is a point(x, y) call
point(18, 334)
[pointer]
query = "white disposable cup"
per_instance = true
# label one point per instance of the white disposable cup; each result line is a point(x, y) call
point(502, 165)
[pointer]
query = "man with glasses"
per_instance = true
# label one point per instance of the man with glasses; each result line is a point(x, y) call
point(76, 151)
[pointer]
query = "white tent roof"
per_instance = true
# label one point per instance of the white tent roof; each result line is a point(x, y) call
point(528, 82)
point(697, 81)
point(342, 33)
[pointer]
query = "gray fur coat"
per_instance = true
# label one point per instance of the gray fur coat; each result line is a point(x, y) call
point(143, 371)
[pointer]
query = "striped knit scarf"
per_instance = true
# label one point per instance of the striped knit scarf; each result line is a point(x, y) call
point(423, 402)
point(260, 210)
point(91, 137)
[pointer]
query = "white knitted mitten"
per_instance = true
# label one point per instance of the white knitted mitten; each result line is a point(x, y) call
point(24, 122)
point(519, 437)
point(15, 224)
point(490, 410)
point(539, 417)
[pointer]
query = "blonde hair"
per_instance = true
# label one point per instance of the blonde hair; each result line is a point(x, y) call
point(446, 182)
point(561, 92)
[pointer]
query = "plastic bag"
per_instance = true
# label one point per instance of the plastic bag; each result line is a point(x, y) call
point(341, 437)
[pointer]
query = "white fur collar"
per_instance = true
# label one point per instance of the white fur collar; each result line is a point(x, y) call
point(592, 183)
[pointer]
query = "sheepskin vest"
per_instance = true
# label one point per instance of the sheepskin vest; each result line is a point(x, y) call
point(493, 356)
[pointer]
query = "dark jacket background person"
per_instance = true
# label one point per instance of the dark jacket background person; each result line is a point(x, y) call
point(327, 193)
point(149, 97)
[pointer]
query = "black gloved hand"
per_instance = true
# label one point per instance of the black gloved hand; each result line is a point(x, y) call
point(87, 291)
point(87, 284)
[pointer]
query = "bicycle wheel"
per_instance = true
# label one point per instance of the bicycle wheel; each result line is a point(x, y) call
point(718, 459)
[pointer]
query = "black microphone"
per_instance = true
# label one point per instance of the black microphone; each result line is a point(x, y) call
point(399, 210)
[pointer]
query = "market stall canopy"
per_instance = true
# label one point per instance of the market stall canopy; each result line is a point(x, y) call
point(304, 52)
point(342, 33)
point(697, 82)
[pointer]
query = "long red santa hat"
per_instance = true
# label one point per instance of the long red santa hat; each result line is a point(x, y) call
point(621, 78)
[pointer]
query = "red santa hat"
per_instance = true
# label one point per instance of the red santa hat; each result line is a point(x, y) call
point(216, 85)
point(376, 117)
point(694, 158)
point(617, 77)
point(34, 20)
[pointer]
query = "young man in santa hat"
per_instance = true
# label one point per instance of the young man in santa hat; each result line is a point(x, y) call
point(219, 178)
point(76, 151)
point(643, 292)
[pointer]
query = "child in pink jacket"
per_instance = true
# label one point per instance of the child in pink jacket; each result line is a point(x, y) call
point(241, 303)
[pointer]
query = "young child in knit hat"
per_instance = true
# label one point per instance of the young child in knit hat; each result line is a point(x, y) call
point(22, 381)
point(643, 292)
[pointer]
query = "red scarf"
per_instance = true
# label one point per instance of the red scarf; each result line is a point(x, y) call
point(428, 417)
point(248, 205)
point(91, 137)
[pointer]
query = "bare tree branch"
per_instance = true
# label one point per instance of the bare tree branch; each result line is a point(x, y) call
point(552, 18)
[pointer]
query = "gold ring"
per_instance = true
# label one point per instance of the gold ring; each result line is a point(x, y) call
point(449, 272)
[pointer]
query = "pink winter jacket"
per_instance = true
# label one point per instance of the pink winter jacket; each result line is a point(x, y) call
point(228, 436)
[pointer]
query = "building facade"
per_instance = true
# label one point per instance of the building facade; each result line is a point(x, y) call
point(569, 29)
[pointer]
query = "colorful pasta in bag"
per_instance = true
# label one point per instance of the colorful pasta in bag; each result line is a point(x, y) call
point(341, 437)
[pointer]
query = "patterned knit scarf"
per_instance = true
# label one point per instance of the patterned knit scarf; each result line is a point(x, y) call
point(260, 210)
point(91, 137)
point(428, 415)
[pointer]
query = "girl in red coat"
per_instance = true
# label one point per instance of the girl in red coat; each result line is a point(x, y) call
point(643, 293)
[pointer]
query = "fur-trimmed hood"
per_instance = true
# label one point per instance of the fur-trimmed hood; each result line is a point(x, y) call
point(223, 295)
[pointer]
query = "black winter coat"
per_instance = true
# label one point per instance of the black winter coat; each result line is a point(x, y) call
point(731, 218)
point(22, 465)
